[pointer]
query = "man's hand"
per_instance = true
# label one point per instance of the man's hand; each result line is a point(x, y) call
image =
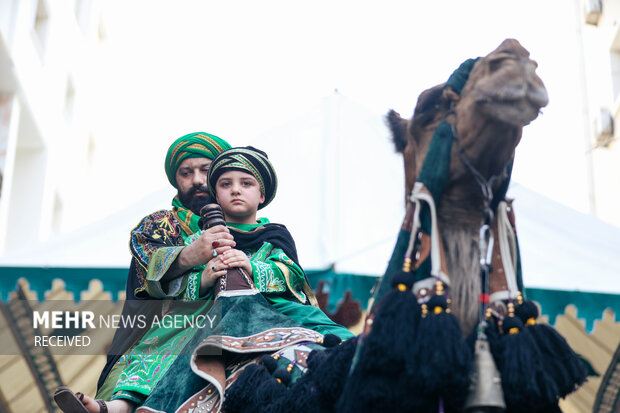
point(214, 270)
point(233, 258)
point(200, 251)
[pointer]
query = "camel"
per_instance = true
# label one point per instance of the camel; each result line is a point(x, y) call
point(503, 94)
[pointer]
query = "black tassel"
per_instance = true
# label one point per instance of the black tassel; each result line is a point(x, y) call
point(282, 376)
point(440, 361)
point(316, 358)
point(331, 340)
point(526, 384)
point(378, 382)
point(241, 396)
point(560, 361)
point(394, 325)
point(319, 389)
point(302, 396)
point(272, 393)
point(270, 363)
point(331, 375)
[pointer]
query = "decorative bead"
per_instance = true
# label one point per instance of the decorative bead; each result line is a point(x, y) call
point(401, 287)
point(511, 309)
point(424, 310)
point(407, 265)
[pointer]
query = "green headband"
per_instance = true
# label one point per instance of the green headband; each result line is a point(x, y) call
point(250, 160)
point(193, 145)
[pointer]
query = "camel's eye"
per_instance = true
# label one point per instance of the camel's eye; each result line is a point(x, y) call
point(495, 64)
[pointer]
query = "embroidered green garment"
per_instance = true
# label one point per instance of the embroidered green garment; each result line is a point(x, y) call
point(162, 258)
point(279, 279)
point(282, 281)
point(137, 371)
point(144, 365)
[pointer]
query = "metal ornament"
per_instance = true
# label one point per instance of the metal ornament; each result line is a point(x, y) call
point(485, 389)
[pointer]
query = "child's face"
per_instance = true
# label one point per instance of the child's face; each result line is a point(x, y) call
point(239, 195)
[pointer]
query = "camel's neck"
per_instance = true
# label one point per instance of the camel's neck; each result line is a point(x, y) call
point(462, 262)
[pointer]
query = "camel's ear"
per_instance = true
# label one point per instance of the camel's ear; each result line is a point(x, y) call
point(398, 126)
point(449, 94)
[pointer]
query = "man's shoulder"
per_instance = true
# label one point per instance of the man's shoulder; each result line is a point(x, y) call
point(163, 217)
point(162, 213)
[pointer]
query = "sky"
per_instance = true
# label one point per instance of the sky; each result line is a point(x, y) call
point(238, 69)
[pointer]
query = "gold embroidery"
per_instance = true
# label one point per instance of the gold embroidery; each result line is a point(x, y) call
point(287, 275)
point(184, 226)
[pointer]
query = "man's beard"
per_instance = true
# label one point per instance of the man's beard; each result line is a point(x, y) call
point(195, 203)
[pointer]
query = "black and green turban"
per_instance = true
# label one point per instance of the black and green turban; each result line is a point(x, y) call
point(250, 160)
point(193, 145)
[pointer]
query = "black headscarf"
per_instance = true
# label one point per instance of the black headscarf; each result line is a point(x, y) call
point(276, 234)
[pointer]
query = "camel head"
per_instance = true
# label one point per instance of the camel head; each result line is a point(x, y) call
point(502, 94)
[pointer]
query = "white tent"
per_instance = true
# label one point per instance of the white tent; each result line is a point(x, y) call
point(564, 249)
point(341, 195)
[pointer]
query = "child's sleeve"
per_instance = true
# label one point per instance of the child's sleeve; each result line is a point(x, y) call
point(275, 273)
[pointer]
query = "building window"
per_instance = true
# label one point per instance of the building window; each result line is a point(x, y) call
point(91, 150)
point(69, 99)
point(101, 32)
point(57, 214)
point(41, 26)
point(614, 60)
point(82, 9)
point(77, 9)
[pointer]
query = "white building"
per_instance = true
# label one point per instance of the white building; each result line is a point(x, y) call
point(47, 55)
point(600, 27)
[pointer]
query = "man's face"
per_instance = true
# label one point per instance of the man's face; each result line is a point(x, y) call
point(191, 180)
point(239, 195)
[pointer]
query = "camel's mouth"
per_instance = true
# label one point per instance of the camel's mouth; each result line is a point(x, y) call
point(516, 110)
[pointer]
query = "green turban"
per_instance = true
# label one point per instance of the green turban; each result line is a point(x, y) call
point(193, 145)
point(250, 160)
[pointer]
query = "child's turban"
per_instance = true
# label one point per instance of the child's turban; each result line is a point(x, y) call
point(250, 160)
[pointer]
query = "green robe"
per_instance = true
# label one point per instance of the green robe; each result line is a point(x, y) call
point(276, 276)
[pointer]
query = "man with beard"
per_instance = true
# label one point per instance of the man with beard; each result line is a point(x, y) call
point(160, 259)
point(159, 255)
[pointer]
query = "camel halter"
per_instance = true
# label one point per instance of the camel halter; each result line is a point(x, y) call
point(427, 192)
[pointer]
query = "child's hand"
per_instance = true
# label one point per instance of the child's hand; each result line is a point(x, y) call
point(200, 251)
point(214, 270)
point(237, 259)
